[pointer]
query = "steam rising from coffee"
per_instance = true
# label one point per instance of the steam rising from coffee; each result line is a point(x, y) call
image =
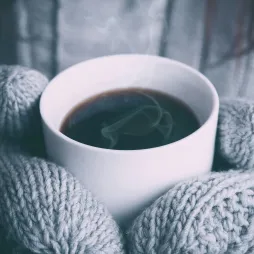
point(144, 119)
point(130, 119)
point(115, 30)
point(147, 120)
point(140, 122)
point(118, 26)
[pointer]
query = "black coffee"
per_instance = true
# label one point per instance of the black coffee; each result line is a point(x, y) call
point(129, 120)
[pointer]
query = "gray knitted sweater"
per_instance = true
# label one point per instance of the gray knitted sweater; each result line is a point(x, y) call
point(44, 209)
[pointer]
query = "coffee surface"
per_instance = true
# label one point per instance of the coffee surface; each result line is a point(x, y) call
point(130, 119)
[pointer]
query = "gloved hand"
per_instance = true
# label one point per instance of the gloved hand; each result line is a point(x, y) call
point(43, 208)
point(212, 214)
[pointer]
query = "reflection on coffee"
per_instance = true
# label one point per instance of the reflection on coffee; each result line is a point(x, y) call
point(130, 119)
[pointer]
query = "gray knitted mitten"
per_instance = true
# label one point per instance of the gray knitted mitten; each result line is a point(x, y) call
point(43, 209)
point(212, 214)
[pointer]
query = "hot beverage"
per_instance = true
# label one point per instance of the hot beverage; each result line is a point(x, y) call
point(130, 119)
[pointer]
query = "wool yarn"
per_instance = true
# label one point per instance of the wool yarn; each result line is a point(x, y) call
point(236, 132)
point(209, 215)
point(46, 210)
point(20, 90)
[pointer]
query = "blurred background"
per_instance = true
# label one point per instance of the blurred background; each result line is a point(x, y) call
point(213, 36)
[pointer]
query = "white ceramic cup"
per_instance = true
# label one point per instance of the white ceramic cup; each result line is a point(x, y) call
point(128, 181)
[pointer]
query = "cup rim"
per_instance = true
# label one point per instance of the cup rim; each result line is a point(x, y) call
point(215, 108)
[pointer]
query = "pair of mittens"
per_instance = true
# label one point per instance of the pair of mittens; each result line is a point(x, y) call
point(213, 214)
point(43, 208)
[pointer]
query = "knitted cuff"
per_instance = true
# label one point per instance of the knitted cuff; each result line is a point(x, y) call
point(209, 215)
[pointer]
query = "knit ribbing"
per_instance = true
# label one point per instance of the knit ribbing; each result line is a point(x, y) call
point(213, 214)
point(46, 210)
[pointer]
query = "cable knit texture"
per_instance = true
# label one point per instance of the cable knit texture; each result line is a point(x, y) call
point(236, 132)
point(212, 215)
